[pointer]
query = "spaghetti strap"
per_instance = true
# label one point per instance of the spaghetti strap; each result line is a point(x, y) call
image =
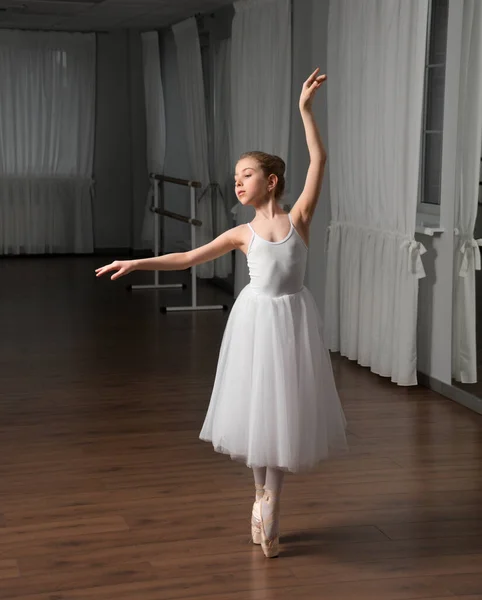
point(253, 236)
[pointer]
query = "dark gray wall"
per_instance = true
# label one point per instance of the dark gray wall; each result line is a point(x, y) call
point(120, 169)
point(112, 155)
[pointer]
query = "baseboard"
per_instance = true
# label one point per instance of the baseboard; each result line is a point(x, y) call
point(120, 252)
point(451, 391)
point(117, 252)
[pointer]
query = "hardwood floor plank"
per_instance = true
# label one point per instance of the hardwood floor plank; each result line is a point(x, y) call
point(9, 569)
point(61, 529)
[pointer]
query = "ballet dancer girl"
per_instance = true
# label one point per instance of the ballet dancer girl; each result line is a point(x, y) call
point(274, 403)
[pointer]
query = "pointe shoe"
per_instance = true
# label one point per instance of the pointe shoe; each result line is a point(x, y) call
point(270, 546)
point(256, 518)
point(256, 524)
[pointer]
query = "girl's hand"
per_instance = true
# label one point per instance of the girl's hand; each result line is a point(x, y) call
point(310, 87)
point(123, 267)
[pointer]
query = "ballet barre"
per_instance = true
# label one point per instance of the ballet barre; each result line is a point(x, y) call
point(193, 222)
point(172, 215)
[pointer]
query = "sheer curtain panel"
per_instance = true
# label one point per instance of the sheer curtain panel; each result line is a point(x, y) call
point(376, 62)
point(155, 122)
point(47, 114)
point(194, 104)
point(467, 251)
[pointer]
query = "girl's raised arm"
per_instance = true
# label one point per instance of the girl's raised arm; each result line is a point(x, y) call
point(305, 206)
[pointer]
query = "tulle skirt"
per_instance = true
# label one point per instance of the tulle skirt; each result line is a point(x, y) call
point(274, 402)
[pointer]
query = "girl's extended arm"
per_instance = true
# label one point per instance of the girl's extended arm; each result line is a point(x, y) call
point(178, 261)
point(305, 205)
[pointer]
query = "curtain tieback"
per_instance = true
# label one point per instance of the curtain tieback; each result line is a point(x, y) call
point(470, 246)
point(415, 252)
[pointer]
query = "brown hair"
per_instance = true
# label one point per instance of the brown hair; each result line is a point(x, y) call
point(271, 165)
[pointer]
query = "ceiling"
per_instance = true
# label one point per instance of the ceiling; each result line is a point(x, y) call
point(100, 15)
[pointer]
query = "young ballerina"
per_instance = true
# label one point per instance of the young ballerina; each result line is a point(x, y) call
point(274, 403)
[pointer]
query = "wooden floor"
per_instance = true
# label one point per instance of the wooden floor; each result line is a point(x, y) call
point(106, 493)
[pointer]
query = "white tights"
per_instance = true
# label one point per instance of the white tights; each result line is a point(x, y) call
point(269, 478)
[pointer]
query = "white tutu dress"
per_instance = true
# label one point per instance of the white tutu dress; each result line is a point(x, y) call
point(274, 402)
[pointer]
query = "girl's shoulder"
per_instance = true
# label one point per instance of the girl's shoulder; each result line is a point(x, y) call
point(242, 235)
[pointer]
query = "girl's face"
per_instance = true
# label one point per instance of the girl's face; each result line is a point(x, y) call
point(250, 182)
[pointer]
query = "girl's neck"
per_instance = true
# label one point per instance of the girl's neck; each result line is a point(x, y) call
point(268, 211)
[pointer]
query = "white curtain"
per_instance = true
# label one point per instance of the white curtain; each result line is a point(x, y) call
point(223, 171)
point(260, 90)
point(155, 122)
point(467, 253)
point(376, 60)
point(194, 104)
point(47, 115)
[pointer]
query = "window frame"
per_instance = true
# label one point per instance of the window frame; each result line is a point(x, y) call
point(429, 208)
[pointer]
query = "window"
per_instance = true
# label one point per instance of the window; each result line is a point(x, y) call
point(432, 134)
